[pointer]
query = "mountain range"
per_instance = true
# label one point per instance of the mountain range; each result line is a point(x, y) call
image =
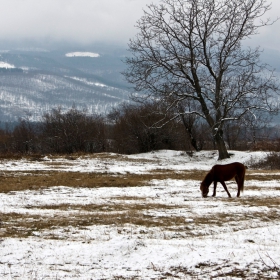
point(33, 82)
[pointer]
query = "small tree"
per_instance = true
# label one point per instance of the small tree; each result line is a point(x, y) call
point(191, 49)
point(133, 130)
point(73, 131)
point(5, 140)
point(25, 137)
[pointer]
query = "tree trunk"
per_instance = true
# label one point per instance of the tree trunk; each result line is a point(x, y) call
point(189, 128)
point(221, 146)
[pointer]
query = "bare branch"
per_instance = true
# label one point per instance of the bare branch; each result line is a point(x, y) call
point(192, 49)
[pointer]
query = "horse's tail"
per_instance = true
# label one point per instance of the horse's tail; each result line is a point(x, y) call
point(242, 183)
point(242, 179)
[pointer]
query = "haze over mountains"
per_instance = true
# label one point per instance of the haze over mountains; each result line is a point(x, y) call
point(32, 82)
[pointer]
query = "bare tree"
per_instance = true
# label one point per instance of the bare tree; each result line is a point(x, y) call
point(133, 130)
point(25, 137)
point(191, 49)
point(73, 131)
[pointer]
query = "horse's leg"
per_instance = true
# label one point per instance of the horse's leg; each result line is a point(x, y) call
point(215, 186)
point(225, 187)
point(239, 182)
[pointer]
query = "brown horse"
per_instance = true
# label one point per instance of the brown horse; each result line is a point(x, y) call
point(222, 173)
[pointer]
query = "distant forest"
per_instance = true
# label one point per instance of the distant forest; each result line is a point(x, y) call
point(11, 70)
point(127, 129)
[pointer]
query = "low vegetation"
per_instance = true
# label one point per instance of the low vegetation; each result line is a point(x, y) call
point(128, 129)
point(34, 180)
point(116, 212)
point(142, 217)
point(271, 162)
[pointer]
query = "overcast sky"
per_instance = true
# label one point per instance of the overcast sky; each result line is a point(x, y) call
point(90, 21)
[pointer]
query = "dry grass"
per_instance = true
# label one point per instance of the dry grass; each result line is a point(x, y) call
point(119, 212)
point(18, 181)
point(269, 202)
point(80, 216)
point(138, 212)
point(262, 175)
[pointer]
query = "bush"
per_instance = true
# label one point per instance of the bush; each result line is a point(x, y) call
point(271, 162)
point(73, 131)
point(135, 130)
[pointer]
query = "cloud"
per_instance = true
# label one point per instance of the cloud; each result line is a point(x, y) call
point(89, 21)
point(75, 20)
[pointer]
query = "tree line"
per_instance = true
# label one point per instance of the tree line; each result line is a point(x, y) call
point(127, 129)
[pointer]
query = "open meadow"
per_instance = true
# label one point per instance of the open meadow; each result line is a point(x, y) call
point(110, 216)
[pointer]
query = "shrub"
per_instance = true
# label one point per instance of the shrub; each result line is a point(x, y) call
point(271, 162)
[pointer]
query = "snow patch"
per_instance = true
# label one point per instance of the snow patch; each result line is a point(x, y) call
point(87, 82)
point(6, 65)
point(82, 54)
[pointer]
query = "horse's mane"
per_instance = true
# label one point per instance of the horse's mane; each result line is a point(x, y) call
point(208, 179)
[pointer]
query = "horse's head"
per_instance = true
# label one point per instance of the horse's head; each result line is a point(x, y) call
point(204, 189)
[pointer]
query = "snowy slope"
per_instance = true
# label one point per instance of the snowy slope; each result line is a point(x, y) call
point(32, 83)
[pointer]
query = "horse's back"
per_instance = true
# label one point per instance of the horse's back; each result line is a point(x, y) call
point(228, 171)
point(230, 166)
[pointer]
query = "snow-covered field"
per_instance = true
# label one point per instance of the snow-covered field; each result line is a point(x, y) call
point(162, 230)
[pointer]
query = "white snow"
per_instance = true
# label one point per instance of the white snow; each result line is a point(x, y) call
point(87, 82)
point(82, 54)
point(6, 65)
point(244, 247)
